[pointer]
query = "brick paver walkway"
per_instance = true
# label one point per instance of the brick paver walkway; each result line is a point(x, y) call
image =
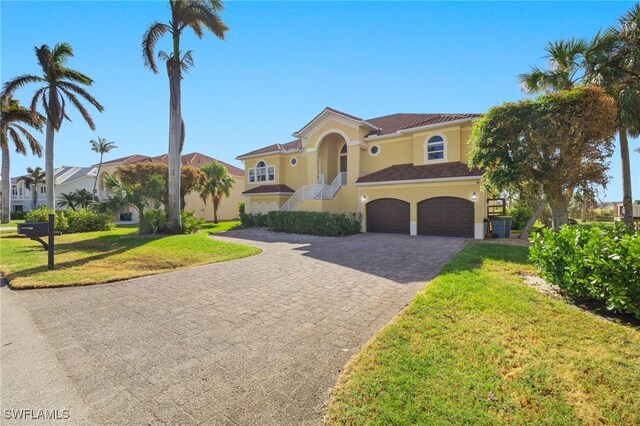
point(259, 340)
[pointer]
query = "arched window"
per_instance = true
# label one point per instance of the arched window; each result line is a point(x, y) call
point(14, 190)
point(262, 172)
point(343, 158)
point(435, 148)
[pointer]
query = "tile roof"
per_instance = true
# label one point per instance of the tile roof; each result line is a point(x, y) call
point(295, 145)
point(401, 172)
point(388, 124)
point(136, 158)
point(195, 159)
point(264, 189)
point(353, 117)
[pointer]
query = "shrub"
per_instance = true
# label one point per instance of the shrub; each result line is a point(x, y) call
point(250, 220)
point(17, 215)
point(190, 223)
point(602, 214)
point(315, 223)
point(71, 222)
point(601, 263)
point(520, 215)
point(155, 221)
point(60, 222)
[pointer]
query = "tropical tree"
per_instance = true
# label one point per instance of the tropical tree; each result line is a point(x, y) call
point(58, 84)
point(199, 16)
point(101, 146)
point(217, 184)
point(614, 65)
point(83, 198)
point(69, 200)
point(551, 145)
point(138, 196)
point(33, 178)
point(12, 121)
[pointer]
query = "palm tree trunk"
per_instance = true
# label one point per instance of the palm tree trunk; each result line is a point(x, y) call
point(6, 185)
point(626, 178)
point(215, 210)
point(48, 165)
point(175, 148)
point(34, 196)
point(95, 182)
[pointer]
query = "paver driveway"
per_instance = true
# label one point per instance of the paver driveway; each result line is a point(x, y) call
point(259, 340)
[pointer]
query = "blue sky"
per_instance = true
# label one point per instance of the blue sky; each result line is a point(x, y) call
point(283, 62)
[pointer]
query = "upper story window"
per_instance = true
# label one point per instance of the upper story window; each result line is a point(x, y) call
point(14, 190)
point(20, 191)
point(435, 148)
point(262, 173)
point(43, 189)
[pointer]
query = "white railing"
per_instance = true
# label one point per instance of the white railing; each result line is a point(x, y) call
point(316, 191)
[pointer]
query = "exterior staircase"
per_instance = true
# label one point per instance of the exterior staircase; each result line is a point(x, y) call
point(316, 191)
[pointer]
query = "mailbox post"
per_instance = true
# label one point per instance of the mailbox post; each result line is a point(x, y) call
point(36, 230)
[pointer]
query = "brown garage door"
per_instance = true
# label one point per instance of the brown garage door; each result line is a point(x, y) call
point(446, 216)
point(388, 215)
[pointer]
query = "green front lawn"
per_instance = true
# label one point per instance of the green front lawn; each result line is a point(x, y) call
point(478, 347)
point(99, 257)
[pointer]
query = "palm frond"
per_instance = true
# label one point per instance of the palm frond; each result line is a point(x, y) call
point(76, 76)
point(35, 146)
point(17, 141)
point(149, 40)
point(81, 92)
point(61, 53)
point(20, 81)
point(187, 61)
point(83, 111)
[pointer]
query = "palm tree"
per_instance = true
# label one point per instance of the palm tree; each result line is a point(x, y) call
point(101, 146)
point(200, 16)
point(218, 183)
point(11, 120)
point(615, 66)
point(57, 84)
point(33, 178)
point(68, 200)
point(83, 198)
point(139, 196)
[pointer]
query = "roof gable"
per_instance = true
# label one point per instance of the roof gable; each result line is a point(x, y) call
point(327, 112)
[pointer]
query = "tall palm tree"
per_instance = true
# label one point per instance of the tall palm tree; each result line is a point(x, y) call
point(12, 119)
point(57, 84)
point(69, 199)
point(218, 184)
point(33, 178)
point(615, 66)
point(101, 146)
point(200, 16)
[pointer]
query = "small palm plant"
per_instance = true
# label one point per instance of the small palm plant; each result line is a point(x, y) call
point(57, 84)
point(12, 120)
point(83, 198)
point(217, 184)
point(138, 196)
point(199, 16)
point(68, 200)
point(101, 146)
point(33, 178)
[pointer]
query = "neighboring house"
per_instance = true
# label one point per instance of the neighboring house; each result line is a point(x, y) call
point(67, 179)
point(228, 207)
point(406, 173)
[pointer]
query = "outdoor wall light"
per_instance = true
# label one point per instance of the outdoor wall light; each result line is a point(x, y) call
point(364, 198)
point(474, 196)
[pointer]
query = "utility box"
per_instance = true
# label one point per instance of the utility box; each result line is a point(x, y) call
point(501, 227)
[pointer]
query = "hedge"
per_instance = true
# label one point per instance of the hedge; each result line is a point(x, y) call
point(70, 221)
point(315, 223)
point(601, 263)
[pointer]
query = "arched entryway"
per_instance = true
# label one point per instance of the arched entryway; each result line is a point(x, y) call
point(332, 156)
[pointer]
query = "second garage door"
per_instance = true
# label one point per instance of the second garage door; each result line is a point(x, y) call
point(446, 216)
point(388, 215)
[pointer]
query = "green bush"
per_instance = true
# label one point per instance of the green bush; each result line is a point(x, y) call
point(60, 222)
point(250, 220)
point(601, 263)
point(71, 222)
point(315, 223)
point(155, 221)
point(190, 223)
point(17, 215)
point(520, 215)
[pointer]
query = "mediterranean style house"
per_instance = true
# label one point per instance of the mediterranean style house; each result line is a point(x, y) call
point(405, 173)
point(69, 179)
